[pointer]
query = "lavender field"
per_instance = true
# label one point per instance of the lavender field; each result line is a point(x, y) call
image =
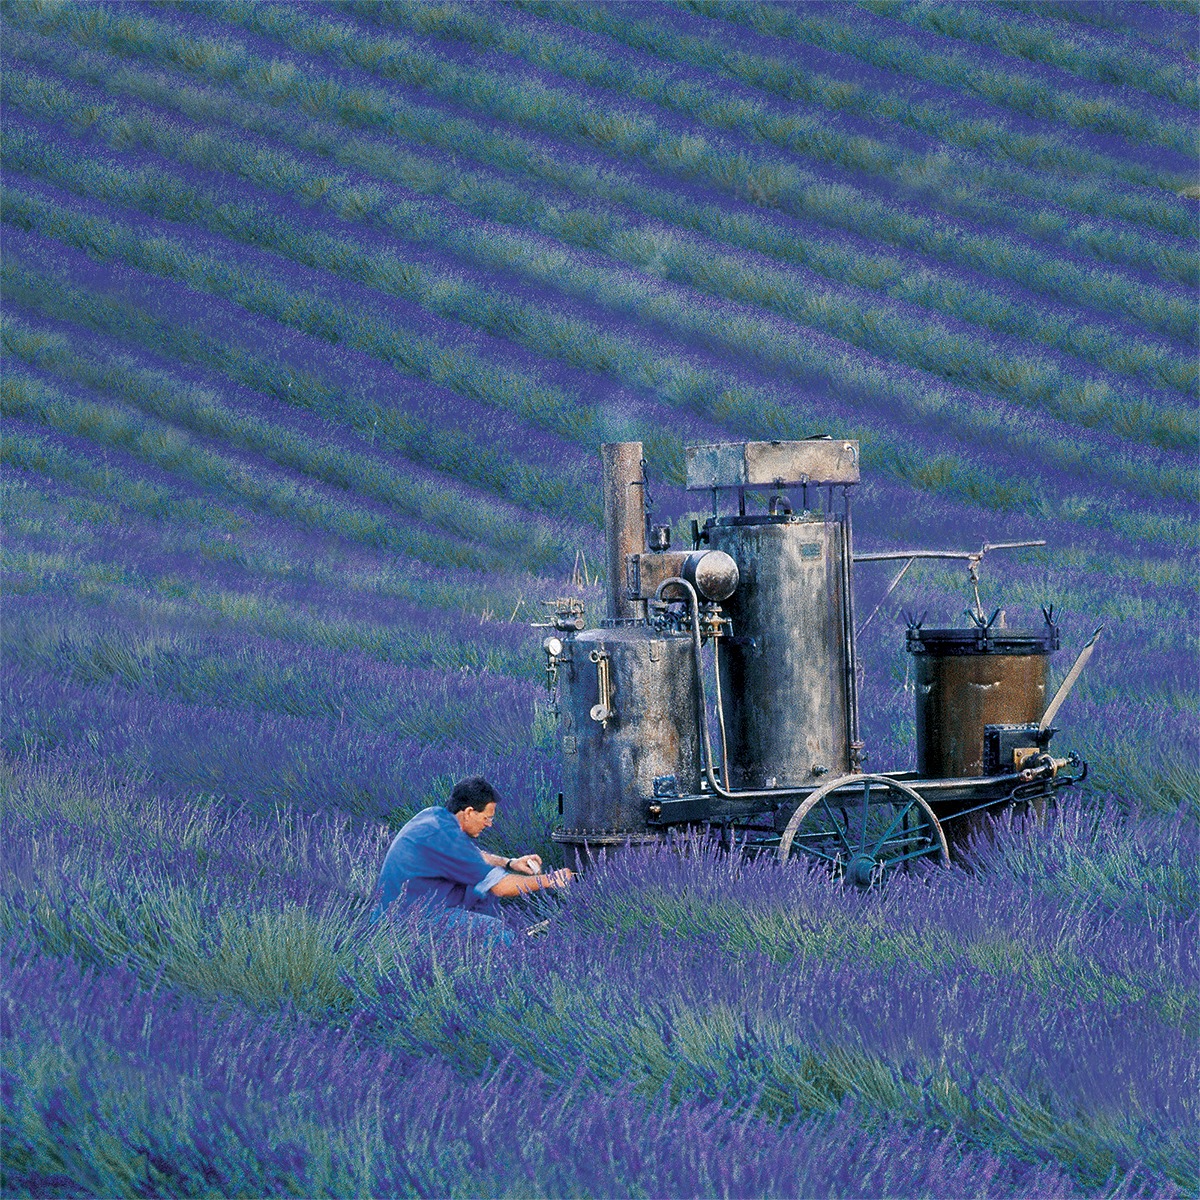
point(313, 320)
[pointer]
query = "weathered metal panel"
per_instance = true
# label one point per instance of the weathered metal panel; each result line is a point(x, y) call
point(772, 464)
point(651, 732)
point(783, 671)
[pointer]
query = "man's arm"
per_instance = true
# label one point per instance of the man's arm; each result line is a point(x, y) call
point(517, 885)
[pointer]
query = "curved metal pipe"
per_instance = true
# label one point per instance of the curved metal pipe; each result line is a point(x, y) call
point(702, 715)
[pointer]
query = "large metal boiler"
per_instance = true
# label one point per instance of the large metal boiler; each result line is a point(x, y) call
point(721, 689)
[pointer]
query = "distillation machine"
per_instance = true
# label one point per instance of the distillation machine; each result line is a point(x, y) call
point(721, 689)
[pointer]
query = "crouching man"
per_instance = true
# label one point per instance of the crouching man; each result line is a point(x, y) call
point(434, 862)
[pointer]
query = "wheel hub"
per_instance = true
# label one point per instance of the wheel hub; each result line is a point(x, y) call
point(861, 870)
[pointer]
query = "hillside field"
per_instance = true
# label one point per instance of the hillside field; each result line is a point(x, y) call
point(313, 320)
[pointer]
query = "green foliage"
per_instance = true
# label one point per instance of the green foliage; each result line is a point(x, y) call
point(586, 226)
point(166, 596)
point(1091, 58)
point(455, 451)
point(965, 185)
point(538, 104)
point(755, 409)
point(166, 447)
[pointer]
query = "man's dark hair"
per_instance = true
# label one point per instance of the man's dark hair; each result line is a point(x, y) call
point(473, 792)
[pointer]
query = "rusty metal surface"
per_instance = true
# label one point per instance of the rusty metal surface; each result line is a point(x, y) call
point(959, 693)
point(609, 767)
point(713, 574)
point(624, 522)
point(783, 670)
point(772, 464)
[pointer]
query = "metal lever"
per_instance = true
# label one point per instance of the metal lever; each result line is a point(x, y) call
point(1068, 683)
point(602, 711)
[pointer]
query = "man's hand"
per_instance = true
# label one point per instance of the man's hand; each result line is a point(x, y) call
point(514, 884)
point(527, 864)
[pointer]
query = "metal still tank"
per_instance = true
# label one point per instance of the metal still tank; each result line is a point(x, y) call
point(783, 668)
point(627, 719)
point(629, 691)
point(787, 667)
point(967, 679)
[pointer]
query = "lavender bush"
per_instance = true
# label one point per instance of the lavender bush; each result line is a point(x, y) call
point(313, 321)
point(247, 1107)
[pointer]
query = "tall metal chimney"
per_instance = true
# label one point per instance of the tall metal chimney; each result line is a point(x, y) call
point(624, 522)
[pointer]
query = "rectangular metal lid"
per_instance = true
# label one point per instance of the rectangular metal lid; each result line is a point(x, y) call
point(771, 464)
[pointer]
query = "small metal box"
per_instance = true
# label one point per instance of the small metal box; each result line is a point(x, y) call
point(1006, 747)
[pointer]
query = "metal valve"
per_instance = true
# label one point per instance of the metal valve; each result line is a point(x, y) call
point(1042, 766)
point(713, 623)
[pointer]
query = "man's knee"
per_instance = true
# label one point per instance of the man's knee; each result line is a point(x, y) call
point(478, 923)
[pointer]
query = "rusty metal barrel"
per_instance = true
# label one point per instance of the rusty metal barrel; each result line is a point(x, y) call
point(969, 678)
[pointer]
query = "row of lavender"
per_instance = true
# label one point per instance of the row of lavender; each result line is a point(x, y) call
point(237, 682)
point(242, 70)
point(1060, 447)
point(513, 190)
point(1001, 474)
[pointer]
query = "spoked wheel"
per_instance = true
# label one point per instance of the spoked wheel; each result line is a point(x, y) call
point(864, 827)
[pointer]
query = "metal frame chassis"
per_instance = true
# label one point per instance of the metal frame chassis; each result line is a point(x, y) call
point(981, 792)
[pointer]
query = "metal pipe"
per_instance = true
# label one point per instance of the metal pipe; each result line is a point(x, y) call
point(624, 522)
point(706, 752)
point(965, 555)
point(891, 588)
point(720, 713)
point(849, 641)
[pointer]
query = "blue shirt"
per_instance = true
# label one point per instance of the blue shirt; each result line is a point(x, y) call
point(432, 861)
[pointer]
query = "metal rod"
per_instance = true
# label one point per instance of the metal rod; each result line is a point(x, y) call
point(891, 589)
point(1068, 683)
point(720, 714)
point(850, 652)
point(866, 807)
point(1005, 799)
point(892, 827)
point(837, 862)
point(966, 555)
point(833, 821)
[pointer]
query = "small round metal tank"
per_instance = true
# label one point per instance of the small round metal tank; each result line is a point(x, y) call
point(627, 717)
point(969, 678)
